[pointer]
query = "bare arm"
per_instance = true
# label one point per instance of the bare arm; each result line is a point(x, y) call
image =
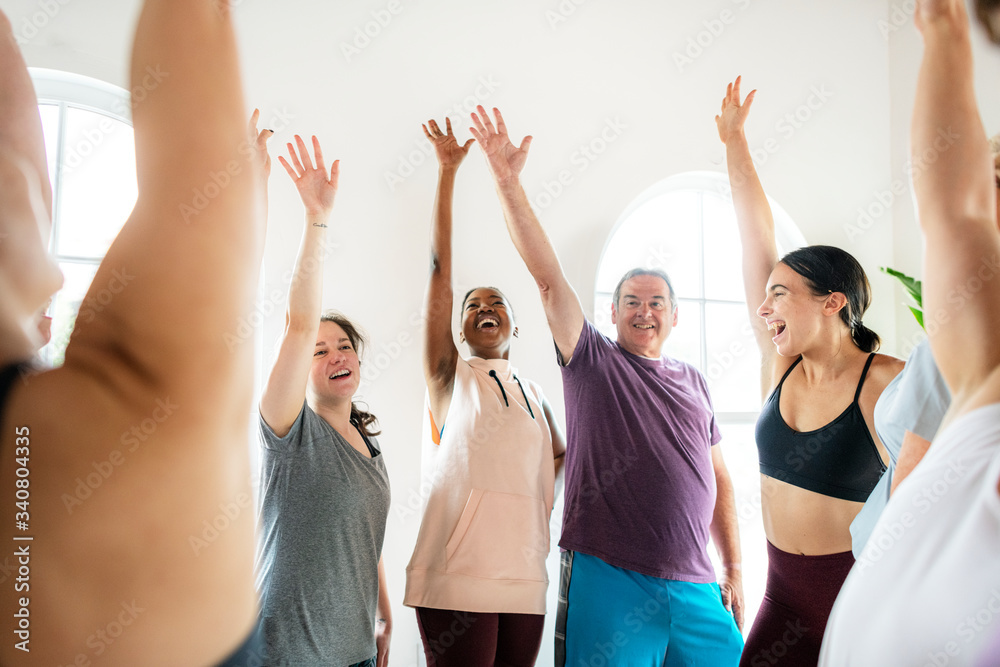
point(184, 270)
point(440, 353)
point(725, 532)
point(910, 454)
point(956, 197)
point(21, 129)
point(383, 620)
point(562, 306)
point(558, 439)
point(755, 222)
point(285, 390)
point(191, 247)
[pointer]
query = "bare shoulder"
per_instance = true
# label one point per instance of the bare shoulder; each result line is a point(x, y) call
point(884, 368)
point(78, 417)
point(106, 466)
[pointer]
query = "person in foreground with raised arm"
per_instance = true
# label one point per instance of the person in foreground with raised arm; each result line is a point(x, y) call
point(484, 536)
point(645, 480)
point(931, 566)
point(908, 415)
point(156, 354)
point(324, 493)
point(819, 456)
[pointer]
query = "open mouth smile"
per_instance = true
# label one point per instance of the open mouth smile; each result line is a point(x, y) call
point(340, 374)
point(488, 322)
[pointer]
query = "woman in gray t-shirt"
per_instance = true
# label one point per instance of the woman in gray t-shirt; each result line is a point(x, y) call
point(324, 489)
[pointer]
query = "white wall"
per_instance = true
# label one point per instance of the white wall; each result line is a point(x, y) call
point(905, 48)
point(561, 71)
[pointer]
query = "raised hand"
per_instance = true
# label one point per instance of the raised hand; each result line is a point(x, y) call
point(316, 189)
point(449, 153)
point(258, 141)
point(504, 159)
point(734, 114)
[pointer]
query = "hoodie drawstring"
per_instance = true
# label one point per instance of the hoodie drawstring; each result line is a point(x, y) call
point(493, 374)
point(526, 402)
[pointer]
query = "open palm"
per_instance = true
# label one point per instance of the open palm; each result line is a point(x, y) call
point(449, 152)
point(733, 116)
point(316, 189)
point(504, 159)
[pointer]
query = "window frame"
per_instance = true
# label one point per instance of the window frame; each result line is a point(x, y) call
point(68, 90)
point(787, 235)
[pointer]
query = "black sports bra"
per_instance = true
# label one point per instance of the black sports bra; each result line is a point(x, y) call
point(838, 460)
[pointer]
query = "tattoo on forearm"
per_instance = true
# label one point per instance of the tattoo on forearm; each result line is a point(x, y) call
point(318, 224)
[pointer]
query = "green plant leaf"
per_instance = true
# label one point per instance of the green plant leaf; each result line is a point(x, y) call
point(912, 286)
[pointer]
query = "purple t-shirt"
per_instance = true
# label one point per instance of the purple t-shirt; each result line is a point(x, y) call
point(640, 485)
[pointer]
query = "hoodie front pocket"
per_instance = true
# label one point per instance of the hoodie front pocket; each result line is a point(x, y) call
point(500, 536)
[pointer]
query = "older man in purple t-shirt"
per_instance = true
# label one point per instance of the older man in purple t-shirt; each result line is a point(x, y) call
point(645, 484)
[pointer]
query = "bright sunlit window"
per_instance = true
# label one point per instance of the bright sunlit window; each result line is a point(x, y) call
point(91, 157)
point(686, 226)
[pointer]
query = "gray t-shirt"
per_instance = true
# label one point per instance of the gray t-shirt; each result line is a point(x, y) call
point(323, 507)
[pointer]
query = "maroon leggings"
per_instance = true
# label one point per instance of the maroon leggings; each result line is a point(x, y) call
point(470, 639)
point(798, 598)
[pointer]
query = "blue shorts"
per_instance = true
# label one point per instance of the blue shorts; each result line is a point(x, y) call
point(611, 616)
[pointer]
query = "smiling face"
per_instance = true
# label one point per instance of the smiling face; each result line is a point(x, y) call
point(644, 315)
point(336, 370)
point(487, 323)
point(794, 315)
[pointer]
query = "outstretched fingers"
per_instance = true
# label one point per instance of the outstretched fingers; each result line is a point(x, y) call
point(501, 126)
point(303, 153)
point(320, 165)
point(478, 128)
point(291, 172)
point(295, 159)
point(486, 119)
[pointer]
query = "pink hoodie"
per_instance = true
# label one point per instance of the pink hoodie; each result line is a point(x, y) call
point(484, 535)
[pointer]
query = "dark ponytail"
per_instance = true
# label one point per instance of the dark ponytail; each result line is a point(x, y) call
point(865, 338)
point(828, 269)
point(363, 419)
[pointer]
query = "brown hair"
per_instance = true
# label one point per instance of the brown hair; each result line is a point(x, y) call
point(363, 419)
point(988, 13)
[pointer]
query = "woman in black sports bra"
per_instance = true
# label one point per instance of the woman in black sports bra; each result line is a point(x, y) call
point(819, 455)
point(113, 463)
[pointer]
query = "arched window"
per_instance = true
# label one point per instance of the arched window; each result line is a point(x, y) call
point(686, 226)
point(91, 157)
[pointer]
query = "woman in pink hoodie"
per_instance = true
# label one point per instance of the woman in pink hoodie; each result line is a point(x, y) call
point(477, 577)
